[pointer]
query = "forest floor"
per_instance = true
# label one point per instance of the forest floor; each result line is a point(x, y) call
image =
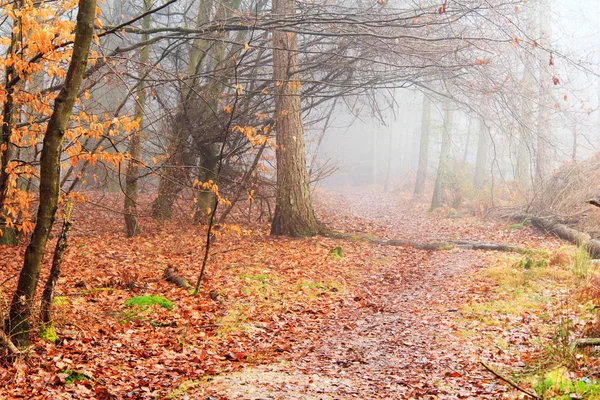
point(281, 318)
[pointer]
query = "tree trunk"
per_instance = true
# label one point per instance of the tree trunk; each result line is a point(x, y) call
point(209, 153)
point(543, 163)
point(575, 135)
point(467, 142)
point(175, 175)
point(7, 149)
point(135, 141)
point(388, 168)
point(18, 325)
point(57, 260)
point(481, 167)
point(440, 181)
point(423, 146)
point(205, 198)
point(294, 214)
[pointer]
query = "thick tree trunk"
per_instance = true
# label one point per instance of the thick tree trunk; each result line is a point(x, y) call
point(135, 141)
point(481, 165)
point(209, 153)
point(18, 325)
point(524, 153)
point(294, 213)
point(526, 140)
point(176, 174)
point(205, 197)
point(423, 146)
point(440, 181)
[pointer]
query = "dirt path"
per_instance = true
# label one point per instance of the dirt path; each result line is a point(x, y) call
point(400, 338)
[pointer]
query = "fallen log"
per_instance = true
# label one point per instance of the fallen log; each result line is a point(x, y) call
point(592, 246)
point(434, 246)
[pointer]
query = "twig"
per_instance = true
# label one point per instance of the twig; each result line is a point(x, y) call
point(511, 383)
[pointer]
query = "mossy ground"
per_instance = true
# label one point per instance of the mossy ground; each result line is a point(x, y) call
point(539, 289)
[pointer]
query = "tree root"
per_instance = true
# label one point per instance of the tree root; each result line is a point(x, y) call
point(170, 275)
point(9, 345)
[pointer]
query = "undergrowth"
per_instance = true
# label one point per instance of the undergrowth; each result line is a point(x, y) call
point(553, 296)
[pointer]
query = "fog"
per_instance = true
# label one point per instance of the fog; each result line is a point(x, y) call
point(376, 140)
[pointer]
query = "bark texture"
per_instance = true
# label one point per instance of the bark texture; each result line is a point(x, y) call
point(440, 181)
point(543, 165)
point(7, 149)
point(481, 164)
point(175, 175)
point(20, 309)
point(59, 253)
point(423, 146)
point(579, 238)
point(135, 143)
point(294, 214)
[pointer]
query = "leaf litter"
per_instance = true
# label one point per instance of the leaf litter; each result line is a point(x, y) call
point(276, 317)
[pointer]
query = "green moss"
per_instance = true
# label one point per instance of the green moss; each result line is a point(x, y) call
point(447, 247)
point(147, 301)
point(72, 376)
point(96, 290)
point(59, 301)
point(337, 252)
point(48, 333)
point(260, 278)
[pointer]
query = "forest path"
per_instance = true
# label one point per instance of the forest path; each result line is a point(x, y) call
point(400, 337)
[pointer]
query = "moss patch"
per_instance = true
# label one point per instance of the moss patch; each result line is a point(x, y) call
point(147, 301)
point(337, 252)
point(48, 333)
point(71, 376)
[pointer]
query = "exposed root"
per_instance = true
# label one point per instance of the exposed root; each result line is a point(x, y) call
point(170, 275)
point(9, 345)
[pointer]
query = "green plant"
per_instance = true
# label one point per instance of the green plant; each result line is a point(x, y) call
point(556, 384)
point(260, 278)
point(147, 301)
point(72, 376)
point(337, 252)
point(59, 301)
point(562, 351)
point(581, 263)
point(528, 263)
point(48, 333)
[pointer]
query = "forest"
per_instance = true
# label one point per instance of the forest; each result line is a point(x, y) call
point(300, 199)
